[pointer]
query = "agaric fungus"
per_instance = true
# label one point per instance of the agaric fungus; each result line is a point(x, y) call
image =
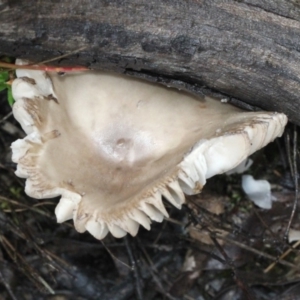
point(112, 145)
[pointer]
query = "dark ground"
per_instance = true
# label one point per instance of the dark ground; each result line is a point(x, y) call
point(40, 259)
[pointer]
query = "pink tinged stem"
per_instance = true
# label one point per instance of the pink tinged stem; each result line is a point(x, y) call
point(43, 68)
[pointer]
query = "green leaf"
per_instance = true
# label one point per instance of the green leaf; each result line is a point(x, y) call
point(10, 98)
point(3, 86)
point(4, 76)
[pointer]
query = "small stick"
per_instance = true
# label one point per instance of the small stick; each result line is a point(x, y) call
point(43, 67)
point(295, 177)
point(6, 117)
point(134, 268)
point(230, 263)
point(7, 286)
point(62, 56)
point(272, 265)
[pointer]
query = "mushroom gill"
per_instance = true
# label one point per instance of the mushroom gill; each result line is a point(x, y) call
point(112, 146)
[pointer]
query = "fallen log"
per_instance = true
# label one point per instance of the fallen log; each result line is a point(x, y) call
point(246, 50)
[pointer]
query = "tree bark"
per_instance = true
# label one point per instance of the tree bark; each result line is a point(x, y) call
point(243, 49)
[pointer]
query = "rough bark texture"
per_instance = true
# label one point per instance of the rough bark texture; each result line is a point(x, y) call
point(247, 50)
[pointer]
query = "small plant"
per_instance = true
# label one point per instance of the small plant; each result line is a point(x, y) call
point(7, 73)
point(4, 84)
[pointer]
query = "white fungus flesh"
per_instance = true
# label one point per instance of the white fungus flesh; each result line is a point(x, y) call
point(113, 146)
point(258, 191)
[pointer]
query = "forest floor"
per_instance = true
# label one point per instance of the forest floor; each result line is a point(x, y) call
point(219, 246)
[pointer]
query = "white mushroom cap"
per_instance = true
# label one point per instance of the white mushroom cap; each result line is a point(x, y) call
point(112, 146)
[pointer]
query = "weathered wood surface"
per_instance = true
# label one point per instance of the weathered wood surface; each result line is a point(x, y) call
point(247, 50)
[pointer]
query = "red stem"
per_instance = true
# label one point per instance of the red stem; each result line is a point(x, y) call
point(43, 68)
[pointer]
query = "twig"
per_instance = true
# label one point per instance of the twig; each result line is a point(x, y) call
point(273, 264)
point(240, 283)
point(294, 171)
point(253, 250)
point(33, 208)
point(15, 256)
point(6, 117)
point(113, 256)
point(63, 56)
point(138, 283)
point(160, 233)
point(264, 223)
point(7, 287)
point(41, 66)
point(153, 270)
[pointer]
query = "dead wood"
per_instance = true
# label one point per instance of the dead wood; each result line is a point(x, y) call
point(247, 49)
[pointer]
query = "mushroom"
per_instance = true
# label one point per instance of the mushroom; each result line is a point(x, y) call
point(258, 191)
point(113, 146)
